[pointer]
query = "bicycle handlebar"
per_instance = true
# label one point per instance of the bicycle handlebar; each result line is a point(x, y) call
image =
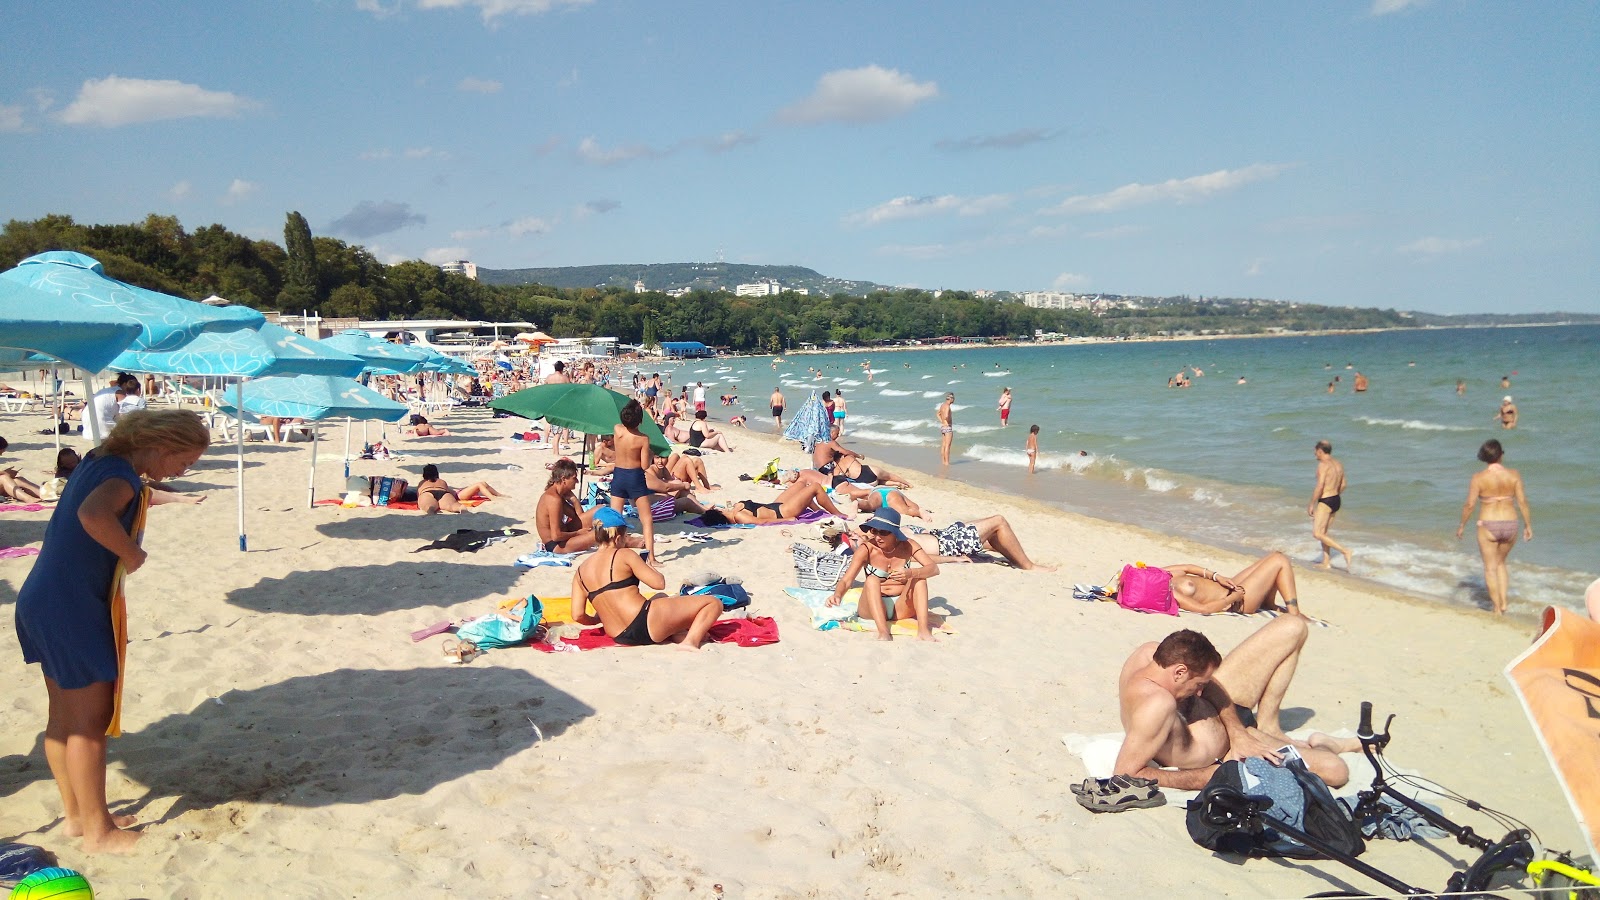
point(1364, 730)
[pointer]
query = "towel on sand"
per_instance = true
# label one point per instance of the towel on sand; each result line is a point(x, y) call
point(15, 552)
point(810, 515)
point(755, 631)
point(24, 507)
point(825, 617)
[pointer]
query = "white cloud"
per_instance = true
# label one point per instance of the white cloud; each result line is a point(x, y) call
point(1050, 232)
point(238, 191)
point(1067, 280)
point(377, 154)
point(437, 255)
point(493, 9)
point(424, 153)
point(590, 151)
point(1256, 267)
point(1175, 190)
point(529, 225)
point(867, 94)
point(479, 86)
point(180, 190)
point(370, 218)
point(728, 140)
point(471, 234)
point(10, 118)
point(1008, 141)
point(568, 80)
point(922, 207)
point(1386, 7)
point(1430, 247)
point(1115, 232)
point(917, 251)
point(113, 101)
point(595, 208)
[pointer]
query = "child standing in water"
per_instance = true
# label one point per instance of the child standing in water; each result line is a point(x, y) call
point(1033, 447)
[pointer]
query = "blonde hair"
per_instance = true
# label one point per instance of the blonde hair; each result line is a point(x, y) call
point(164, 429)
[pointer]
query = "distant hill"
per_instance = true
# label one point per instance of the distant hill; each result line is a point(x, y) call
point(673, 276)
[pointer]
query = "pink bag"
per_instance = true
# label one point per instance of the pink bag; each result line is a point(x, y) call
point(1146, 589)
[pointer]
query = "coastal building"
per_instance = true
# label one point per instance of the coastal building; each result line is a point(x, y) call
point(638, 286)
point(456, 337)
point(764, 288)
point(1054, 300)
point(461, 267)
point(679, 292)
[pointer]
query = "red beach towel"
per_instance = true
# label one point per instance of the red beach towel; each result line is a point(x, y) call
point(755, 631)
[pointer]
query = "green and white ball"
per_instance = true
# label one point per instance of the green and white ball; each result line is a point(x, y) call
point(53, 884)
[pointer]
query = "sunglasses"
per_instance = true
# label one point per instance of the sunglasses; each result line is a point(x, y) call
point(867, 530)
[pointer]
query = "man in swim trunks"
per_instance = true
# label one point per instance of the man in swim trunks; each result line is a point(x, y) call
point(777, 407)
point(1178, 707)
point(1325, 504)
point(947, 427)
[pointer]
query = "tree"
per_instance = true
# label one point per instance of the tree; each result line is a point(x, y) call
point(301, 281)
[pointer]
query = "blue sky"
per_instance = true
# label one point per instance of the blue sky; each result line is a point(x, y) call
point(1439, 155)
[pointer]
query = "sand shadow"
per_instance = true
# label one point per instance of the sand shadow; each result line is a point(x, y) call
point(406, 525)
point(374, 590)
point(19, 532)
point(415, 455)
point(347, 736)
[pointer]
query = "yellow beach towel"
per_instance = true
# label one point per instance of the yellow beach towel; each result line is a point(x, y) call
point(119, 617)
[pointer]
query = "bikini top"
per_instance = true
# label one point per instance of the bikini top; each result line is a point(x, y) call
point(631, 581)
point(697, 436)
point(884, 573)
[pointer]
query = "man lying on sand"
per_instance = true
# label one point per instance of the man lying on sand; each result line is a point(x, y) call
point(1256, 587)
point(1178, 710)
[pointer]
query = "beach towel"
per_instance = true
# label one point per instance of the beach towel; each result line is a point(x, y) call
point(23, 507)
point(810, 515)
point(827, 618)
point(119, 617)
point(755, 631)
point(540, 558)
point(15, 552)
point(403, 505)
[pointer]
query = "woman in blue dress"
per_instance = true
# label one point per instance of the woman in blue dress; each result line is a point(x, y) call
point(64, 618)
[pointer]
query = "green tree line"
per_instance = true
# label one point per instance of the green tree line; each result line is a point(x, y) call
point(328, 276)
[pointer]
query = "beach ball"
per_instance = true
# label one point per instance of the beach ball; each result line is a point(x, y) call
point(53, 884)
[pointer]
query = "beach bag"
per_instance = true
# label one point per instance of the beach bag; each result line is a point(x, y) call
point(1146, 589)
point(733, 596)
point(504, 629)
point(816, 570)
point(1299, 798)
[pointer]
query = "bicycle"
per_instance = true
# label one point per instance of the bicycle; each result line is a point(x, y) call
point(1518, 850)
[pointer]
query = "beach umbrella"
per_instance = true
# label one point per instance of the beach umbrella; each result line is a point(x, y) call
point(381, 357)
point(588, 408)
point(165, 322)
point(33, 321)
point(269, 350)
point(315, 398)
point(811, 425)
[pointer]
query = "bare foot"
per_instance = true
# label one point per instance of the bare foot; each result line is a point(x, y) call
point(73, 828)
point(1040, 567)
point(1325, 565)
point(1332, 744)
point(1349, 563)
point(114, 841)
point(927, 636)
point(685, 645)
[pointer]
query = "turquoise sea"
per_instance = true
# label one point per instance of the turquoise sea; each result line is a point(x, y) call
point(1231, 464)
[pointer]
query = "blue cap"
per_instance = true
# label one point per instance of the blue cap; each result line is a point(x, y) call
point(610, 518)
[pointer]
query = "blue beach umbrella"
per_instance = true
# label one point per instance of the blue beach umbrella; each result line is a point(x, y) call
point(811, 425)
point(382, 357)
point(271, 350)
point(74, 333)
point(317, 397)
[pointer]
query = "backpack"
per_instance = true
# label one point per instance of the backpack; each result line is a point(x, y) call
point(1146, 589)
point(1299, 798)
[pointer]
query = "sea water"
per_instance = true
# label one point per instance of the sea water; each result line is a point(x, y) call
point(1231, 463)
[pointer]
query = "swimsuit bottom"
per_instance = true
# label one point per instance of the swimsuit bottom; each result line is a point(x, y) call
point(1332, 501)
point(777, 411)
point(637, 634)
point(1504, 531)
point(947, 429)
point(837, 414)
point(629, 484)
point(956, 539)
point(436, 493)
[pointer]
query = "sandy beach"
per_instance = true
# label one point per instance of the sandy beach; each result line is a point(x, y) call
point(286, 737)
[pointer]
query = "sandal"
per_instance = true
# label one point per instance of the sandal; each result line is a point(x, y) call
point(461, 651)
point(1119, 793)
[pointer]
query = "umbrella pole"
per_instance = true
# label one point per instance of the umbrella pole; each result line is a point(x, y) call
point(311, 499)
point(55, 388)
point(91, 418)
point(238, 406)
point(347, 429)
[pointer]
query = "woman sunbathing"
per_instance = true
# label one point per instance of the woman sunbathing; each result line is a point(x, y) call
point(961, 541)
point(628, 618)
point(853, 470)
point(791, 504)
point(434, 495)
point(1202, 590)
point(13, 485)
point(703, 437)
point(421, 428)
point(897, 572)
point(874, 499)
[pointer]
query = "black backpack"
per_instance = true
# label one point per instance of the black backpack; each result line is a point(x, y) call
point(1299, 798)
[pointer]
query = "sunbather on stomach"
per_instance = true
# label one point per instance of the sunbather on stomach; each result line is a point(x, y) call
point(435, 495)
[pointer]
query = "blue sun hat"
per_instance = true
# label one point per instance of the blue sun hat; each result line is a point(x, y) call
point(610, 518)
point(886, 519)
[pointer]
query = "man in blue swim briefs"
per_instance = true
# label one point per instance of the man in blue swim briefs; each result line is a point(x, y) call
point(628, 484)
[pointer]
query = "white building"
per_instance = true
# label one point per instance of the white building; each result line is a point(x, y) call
point(461, 267)
point(767, 288)
point(638, 286)
point(1053, 300)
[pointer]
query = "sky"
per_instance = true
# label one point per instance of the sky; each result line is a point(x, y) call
point(1435, 155)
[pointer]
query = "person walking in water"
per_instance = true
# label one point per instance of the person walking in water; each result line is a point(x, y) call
point(777, 406)
point(947, 427)
point(1325, 504)
point(1033, 447)
point(1501, 494)
point(1005, 407)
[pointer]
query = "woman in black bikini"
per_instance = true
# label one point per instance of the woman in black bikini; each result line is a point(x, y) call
point(896, 571)
point(795, 499)
point(434, 495)
point(703, 437)
point(628, 618)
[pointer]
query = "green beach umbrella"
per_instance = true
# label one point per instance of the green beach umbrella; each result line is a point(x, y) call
point(588, 408)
